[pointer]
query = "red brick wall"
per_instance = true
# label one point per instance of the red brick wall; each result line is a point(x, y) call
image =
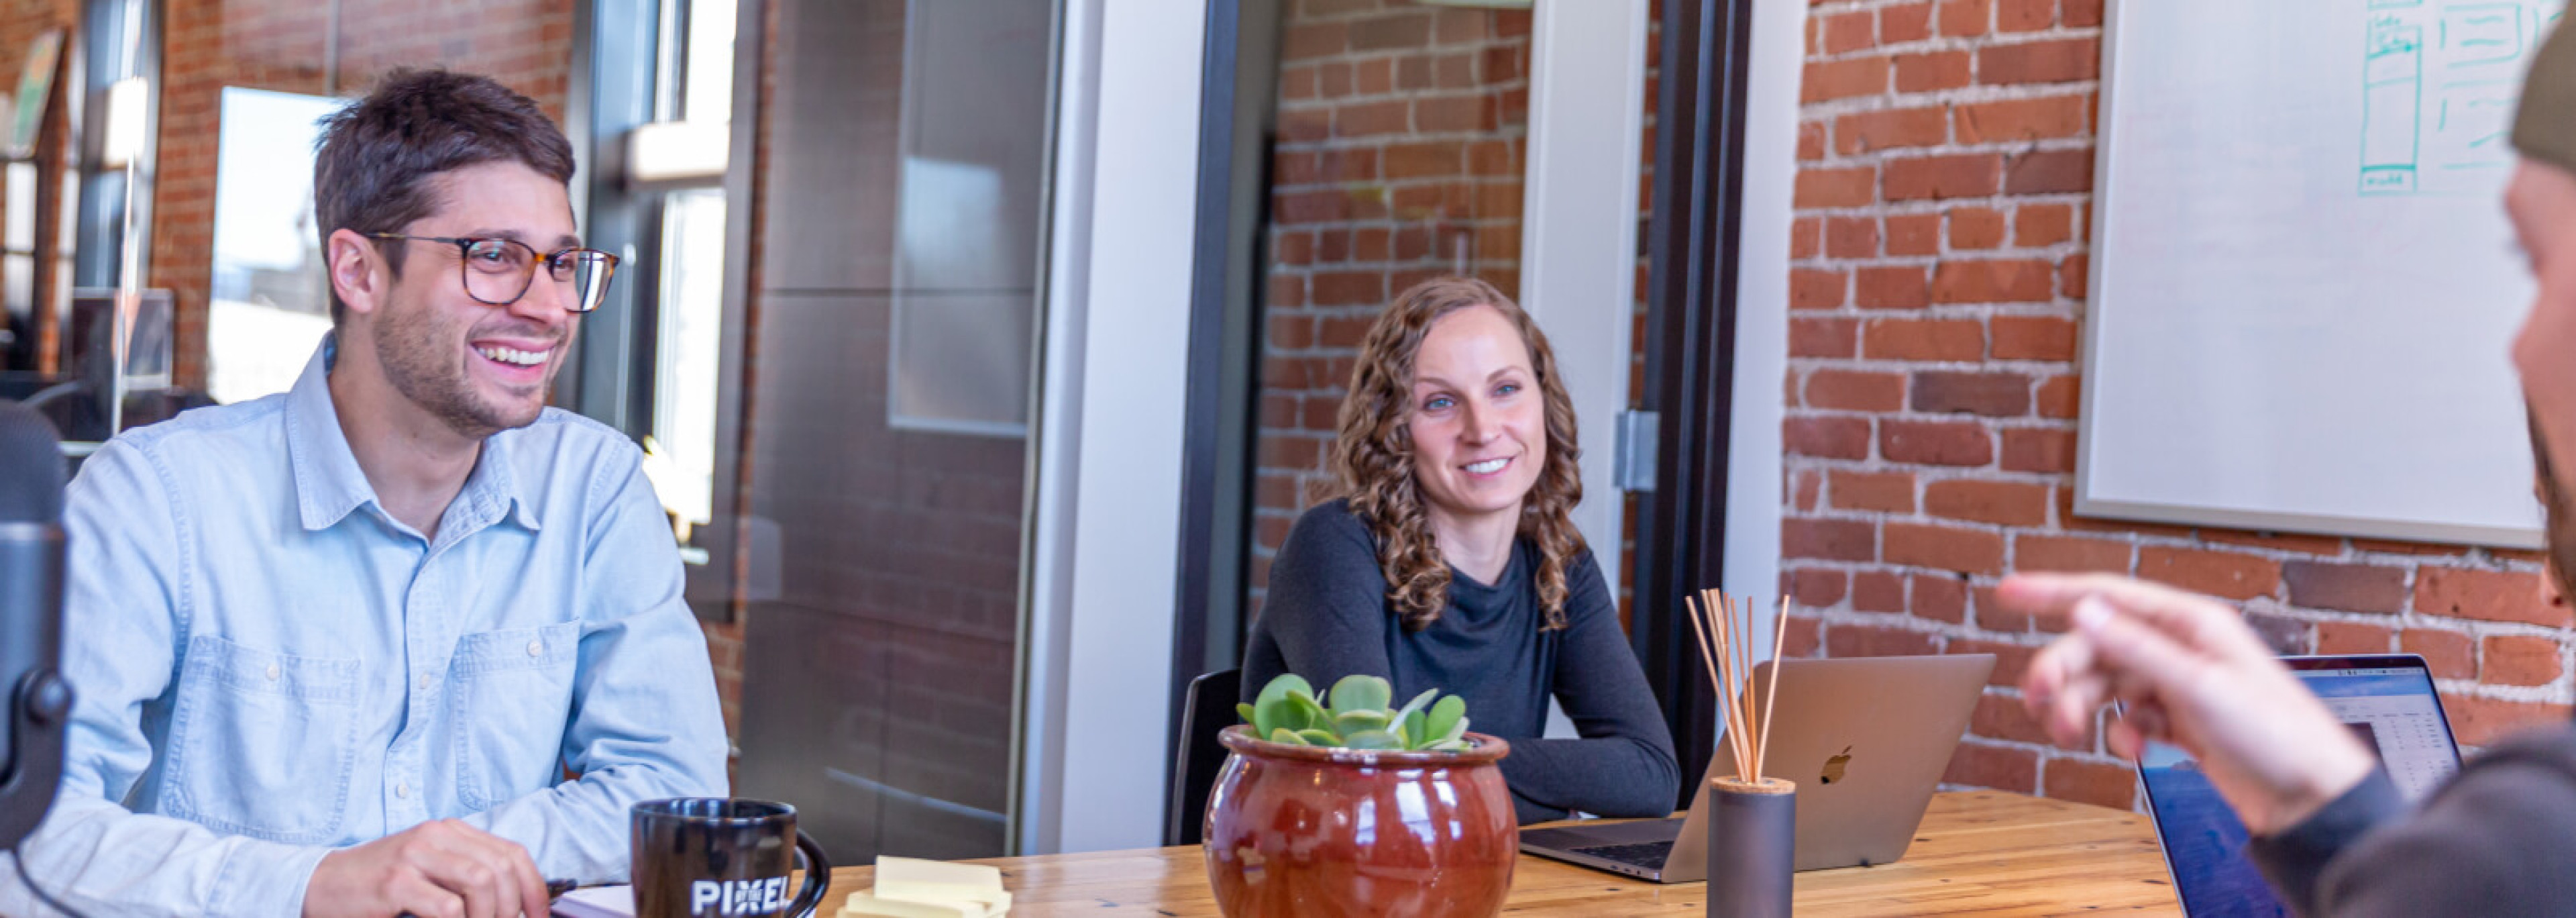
point(1400, 148)
point(279, 45)
point(1944, 192)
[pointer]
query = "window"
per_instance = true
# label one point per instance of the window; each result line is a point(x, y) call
point(679, 161)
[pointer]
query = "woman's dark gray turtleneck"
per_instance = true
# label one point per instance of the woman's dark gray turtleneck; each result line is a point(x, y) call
point(1327, 617)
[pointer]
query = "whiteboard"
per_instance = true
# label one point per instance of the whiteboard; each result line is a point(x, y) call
point(2303, 282)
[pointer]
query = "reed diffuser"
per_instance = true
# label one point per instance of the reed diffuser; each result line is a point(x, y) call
point(1753, 819)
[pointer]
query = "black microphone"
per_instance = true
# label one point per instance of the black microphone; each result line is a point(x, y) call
point(31, 621)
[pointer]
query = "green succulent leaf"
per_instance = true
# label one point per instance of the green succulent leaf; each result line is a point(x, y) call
point(1371, 739)
point(1269, 716)
point(1319, 738)
point(1245, 710)
point(1417, 728)
point(1271, 709)
point(1280, 687)
point(1285, 735)
point(1361, 693)
point(1444, 717)
point(1408, 722)
point(1447, 746)
point(1418, 703)
point(1457, 731)
point(1309, 713)
point(1349, 722)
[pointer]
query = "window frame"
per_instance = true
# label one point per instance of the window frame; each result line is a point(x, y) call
point(624, 76)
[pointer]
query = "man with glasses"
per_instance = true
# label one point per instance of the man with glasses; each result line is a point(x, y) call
point(337, 650)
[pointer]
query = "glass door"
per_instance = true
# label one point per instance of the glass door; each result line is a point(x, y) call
point(888, 407)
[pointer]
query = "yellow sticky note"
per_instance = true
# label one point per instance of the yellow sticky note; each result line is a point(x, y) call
point(869, 905)
point(992, 901)
point(915, 870)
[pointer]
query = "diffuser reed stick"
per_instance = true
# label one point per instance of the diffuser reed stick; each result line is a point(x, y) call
point(1724, 626)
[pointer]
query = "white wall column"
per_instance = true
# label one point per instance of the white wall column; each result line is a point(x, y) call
point(1754, 490)
point(1105, 541)
point(1579, 217)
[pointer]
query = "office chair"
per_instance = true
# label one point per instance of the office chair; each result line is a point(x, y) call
point(1197, 757)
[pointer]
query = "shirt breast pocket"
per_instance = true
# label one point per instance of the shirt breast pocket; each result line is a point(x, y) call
point(512, 700)
point(263, 742)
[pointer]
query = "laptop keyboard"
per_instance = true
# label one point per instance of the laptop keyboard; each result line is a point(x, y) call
point(1650, 855)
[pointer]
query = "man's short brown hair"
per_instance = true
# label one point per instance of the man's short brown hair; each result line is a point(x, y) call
point(378, 156)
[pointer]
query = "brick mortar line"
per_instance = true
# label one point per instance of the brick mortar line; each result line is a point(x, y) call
point(1823, 110)
point(1937, 207)
point(1978, 311)
point(1396, 57)
point(1945, 44)
point(2064, 369)
point(1898, 154)
point(1410, 181)
point(1331, 103)
point(1947, 254)
point(1813, 53)
point(2099, 754)
point(1379, 143)
point(1915, 207)
point(1314, 269)
point(2016, 422)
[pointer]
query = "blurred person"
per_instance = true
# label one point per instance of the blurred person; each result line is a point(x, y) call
point(336, 649)
point(2331, 832)
point(1452, 562)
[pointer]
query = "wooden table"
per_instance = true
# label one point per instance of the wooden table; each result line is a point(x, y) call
point(1984, 852)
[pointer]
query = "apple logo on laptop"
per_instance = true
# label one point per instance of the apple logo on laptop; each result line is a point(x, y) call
point(1834, 766)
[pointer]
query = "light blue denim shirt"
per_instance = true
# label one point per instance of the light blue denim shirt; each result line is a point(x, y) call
point(269, 666)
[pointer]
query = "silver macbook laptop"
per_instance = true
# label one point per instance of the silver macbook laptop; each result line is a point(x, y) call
point(1866, 740)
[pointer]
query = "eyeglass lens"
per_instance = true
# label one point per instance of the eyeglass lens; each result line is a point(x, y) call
point(499, 271)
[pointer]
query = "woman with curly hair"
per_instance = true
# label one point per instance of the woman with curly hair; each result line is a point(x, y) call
point(1451, 561)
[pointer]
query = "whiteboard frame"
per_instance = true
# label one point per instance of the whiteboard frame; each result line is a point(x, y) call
point(2097, 249)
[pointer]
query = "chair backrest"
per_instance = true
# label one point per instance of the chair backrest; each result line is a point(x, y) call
point(1198, 757)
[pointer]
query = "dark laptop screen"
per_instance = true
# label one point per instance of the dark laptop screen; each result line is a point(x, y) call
point(2388, 701)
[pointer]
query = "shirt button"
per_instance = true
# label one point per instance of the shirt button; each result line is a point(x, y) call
point(272, 672)
point(424, 681)
point(536, 648)
point(402, 789)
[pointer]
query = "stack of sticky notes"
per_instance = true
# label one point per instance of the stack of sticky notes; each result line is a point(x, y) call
point(909, 888)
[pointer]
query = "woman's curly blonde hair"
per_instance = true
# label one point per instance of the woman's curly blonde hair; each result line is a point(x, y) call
point(1373, 455)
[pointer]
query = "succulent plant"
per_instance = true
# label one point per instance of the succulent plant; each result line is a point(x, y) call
point(1354, 715)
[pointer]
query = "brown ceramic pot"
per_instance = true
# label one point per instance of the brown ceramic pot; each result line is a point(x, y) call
point(1306, 831)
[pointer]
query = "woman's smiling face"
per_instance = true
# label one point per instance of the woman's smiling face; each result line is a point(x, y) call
point(1477, 418)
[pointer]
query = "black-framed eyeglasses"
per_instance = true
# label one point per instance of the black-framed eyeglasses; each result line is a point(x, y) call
point(497, 272)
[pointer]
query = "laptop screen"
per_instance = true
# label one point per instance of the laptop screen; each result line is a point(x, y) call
point(2389, 702)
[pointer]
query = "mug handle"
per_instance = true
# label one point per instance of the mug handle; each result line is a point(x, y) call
point(818, 877)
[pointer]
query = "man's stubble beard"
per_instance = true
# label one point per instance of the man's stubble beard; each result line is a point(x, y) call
point(425, 362)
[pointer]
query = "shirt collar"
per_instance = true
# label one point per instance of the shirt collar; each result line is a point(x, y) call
point(329, 485)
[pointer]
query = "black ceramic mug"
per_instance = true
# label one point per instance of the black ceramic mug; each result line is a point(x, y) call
point(713, 857)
